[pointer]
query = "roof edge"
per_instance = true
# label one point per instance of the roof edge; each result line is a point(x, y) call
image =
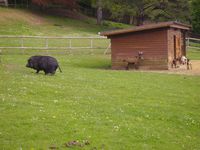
point(172, 24)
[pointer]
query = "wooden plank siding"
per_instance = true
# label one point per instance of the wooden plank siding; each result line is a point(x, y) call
point(180, 47)
point(159, 42)
point(152, 42)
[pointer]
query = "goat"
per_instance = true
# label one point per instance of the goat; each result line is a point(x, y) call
point(174, 63)
point(134, 61)
point(189, 64)
point(185, 60)
point(182, 60)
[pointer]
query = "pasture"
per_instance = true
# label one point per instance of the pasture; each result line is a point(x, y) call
point(109, 109)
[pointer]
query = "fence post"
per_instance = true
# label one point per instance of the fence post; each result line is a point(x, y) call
point(70, 46)
point(91, 43)
point(109, 46)
point(0, 55)
point(22, 44)
point(46, 41)
point(91, 46)
point(187, 43)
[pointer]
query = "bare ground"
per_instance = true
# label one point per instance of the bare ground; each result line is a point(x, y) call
point(183, 69)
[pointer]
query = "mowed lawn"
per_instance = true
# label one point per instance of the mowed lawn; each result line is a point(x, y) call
point(88, 101)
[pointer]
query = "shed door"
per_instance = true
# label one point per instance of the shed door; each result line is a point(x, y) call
point(177, 47)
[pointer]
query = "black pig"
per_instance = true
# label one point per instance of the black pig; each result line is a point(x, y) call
point(46, 63)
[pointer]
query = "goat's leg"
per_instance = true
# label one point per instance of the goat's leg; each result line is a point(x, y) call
point(190, 66)
point(127, 66)
point(172, 65)
point(136, 65)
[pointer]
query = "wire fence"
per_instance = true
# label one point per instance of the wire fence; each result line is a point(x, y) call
point(50, 44)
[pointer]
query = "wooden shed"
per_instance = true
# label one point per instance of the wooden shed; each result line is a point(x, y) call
point(160, 43)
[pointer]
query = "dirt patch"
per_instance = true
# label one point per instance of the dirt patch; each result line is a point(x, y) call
point(24, 15)
point(183, 69)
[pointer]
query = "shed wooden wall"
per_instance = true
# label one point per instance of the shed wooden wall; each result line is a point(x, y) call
point(179, 34)
point(153, 43)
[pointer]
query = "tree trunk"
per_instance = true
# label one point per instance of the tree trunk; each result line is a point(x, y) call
point(6, 3)
point(140, 20)
point(99, 12)
point(131, 21)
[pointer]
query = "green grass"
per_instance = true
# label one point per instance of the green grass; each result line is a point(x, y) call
point(88, 101)
point(193, 54)
point(110, 109)
point(25, 22)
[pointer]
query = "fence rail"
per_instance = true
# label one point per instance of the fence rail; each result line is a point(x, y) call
point(48, 43)
point(53, 43)
point(193, 43)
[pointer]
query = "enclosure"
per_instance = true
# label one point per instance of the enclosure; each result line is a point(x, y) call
point(160, 44)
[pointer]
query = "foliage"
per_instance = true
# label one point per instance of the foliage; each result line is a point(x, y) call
point(177, 10)
point(196, 15)
point(141, 11)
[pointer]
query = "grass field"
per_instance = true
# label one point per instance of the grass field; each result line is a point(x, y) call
point(25, 22)
point(112, 110)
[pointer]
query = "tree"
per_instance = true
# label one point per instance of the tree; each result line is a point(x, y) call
point(138, 10)
point(177, 10)
point(6, 2)
point(121, 8)
point(141, 11)
point(196, 15)
point(150, 10)
point(145, 9)
point(99, 12)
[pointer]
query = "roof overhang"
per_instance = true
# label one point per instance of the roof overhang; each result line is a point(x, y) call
point(171, 24)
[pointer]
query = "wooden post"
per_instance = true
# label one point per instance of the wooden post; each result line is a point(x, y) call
point(109, 46)
point(0, 55)
point(22, 45)
point(91, 43)
point(70, 43)
point(91, 46)
point(46, 41)
point(70, 46)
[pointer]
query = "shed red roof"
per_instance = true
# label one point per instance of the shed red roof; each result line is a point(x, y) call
point(171, 24)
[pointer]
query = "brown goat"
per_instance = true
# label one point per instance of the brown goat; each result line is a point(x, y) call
point(135, 62)
point(189, 64)
point(174, 63)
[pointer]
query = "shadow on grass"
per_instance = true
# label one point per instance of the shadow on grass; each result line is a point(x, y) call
point(89, 61)
point(93, 66)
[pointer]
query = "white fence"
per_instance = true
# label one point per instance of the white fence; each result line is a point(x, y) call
point(54, 43)
point(27, 44)
point(193, 43)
